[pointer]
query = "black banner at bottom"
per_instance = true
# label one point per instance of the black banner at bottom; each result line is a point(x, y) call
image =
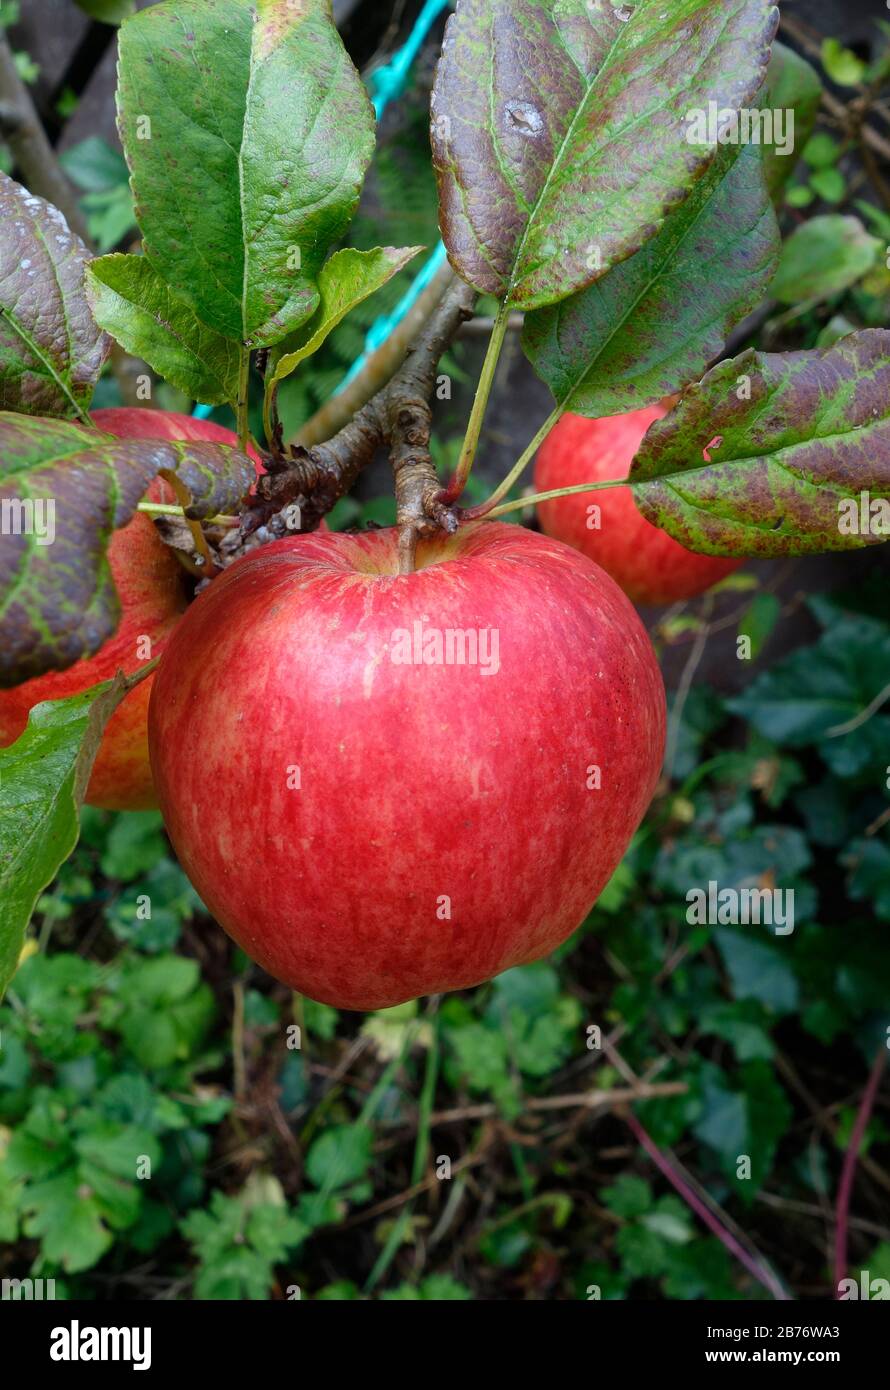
point(85, 1340)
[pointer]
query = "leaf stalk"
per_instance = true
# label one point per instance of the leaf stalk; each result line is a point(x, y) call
point(474, 428)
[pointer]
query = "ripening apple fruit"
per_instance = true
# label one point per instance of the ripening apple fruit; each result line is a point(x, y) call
point(153, 593)
point(388, 785)
point(650, 565)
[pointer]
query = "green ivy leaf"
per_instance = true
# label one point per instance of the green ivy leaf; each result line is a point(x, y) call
point(560, 134)
point(251, 165)
point(131, 301)
point(51, 350)
point(791, 85)
point(870, 878)
point(790, 436)
point(347, 279)
point(740, 1023)
point(747, 1118)
point(43, 778)
point(58, 602)
point(759, 969)
point(826, 687)
point(822, 257)
point(655, 322)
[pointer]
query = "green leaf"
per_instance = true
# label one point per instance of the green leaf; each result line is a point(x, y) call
point(823, 257)
point(643, 1253)
point(347, 279)
point(740, 1023)
point(135, 843)
point(110, 216)
point(791, 436)
point(870, 879)
point(746, 1119)
point(161, 1008)
point(822, 151)
point(251, 165)
point(759, 620)
point(43, 778)
point(340, 1156)
point(68, 1219)
point(799, 195)
point(655, 322)
point(841, 64)
point(561, 132)
point(64, 488)
point(628, 1196)
point(131, 301)
point(825, 687)
point(94, 166)
point(51, 350)
point(830, 184)
point(237, 1245)
point(758, 968)
point(792, 85)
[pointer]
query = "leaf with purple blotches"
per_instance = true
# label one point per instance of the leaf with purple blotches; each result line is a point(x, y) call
point(561, 133)
point(796, 442)
point(63, 490)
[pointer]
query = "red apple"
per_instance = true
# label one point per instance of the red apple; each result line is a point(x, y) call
point(153, 594)
point(650, 565)
point(372, 822)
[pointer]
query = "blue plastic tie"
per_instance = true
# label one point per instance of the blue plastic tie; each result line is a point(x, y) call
point(387, 83)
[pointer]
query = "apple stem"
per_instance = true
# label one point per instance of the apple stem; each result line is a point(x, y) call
point(458, 482)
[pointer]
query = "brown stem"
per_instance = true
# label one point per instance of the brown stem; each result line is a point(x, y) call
point(419, 510)
point(314, 478)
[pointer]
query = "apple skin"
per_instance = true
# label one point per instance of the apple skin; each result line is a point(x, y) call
point(153, 592)
point(649, 565)
point(418, 783)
